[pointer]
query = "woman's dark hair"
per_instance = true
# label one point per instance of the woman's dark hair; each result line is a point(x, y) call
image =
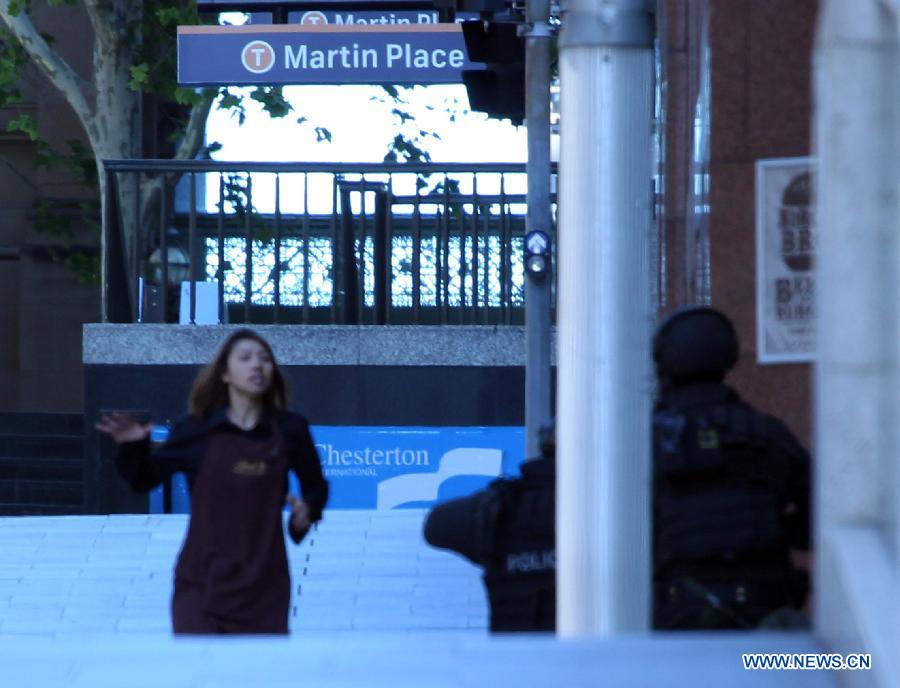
point(210, 393)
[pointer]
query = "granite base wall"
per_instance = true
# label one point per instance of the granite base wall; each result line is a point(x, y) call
point(406, 376)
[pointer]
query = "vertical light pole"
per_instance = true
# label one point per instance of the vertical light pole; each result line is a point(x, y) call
point(857, 441)
point(605, 318)
point(537, 223)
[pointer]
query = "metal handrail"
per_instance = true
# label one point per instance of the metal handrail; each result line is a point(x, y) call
point(151, 165)
point(461, 248)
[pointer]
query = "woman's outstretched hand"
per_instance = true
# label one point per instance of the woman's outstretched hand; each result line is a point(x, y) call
point(123, 428)
point(299, 513)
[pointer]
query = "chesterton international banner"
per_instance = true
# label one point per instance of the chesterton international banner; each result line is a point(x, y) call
point(387, 467)
point(785, 253)
point(321, 54)
point(390, 467)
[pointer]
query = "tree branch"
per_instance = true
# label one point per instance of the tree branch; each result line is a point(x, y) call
point(61, 75)
point(194, 130)
point(194, 133)
point(104, 19)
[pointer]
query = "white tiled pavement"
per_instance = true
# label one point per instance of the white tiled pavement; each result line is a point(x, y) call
point(84, 604)
point(113, 574)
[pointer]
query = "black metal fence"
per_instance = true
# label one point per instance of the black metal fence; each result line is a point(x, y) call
point(204, 241)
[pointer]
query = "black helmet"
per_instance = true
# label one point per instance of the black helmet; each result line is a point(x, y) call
point(692, 342)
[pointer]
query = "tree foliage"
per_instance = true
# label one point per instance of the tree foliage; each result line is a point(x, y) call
point(134, 65)
point(134, 68)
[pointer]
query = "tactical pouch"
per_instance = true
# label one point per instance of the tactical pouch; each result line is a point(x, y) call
point(717, 524)
point(686, 444)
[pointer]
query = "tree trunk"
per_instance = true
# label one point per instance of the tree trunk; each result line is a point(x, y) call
point(116, 133)
point(110, 112)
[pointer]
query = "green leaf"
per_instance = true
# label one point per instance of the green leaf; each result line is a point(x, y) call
point(86, 267)
point(187, 96)
point(404, 117)
point(81, 161)
point(139, 74)
point(25, 124)
point(210, 148)
point(273, 100)
point(392, 92)
point(50, 221)
point(408, 150)
point(228, 100)
point(17, 6)
point(169, 16)
point(45, 157)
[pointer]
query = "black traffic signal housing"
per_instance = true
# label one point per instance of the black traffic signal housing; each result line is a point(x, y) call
point(499, 88)
point(448, 9)
point(537, 255)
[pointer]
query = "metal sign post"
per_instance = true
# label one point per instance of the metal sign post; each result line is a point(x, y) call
point(538, 249)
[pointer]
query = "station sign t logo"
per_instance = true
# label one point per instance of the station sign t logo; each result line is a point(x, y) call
point(313, 18)
point(258, 57)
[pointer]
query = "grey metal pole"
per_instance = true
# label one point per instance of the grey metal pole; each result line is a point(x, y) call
point(857, 434)
point(605, 317)
point(537, 291)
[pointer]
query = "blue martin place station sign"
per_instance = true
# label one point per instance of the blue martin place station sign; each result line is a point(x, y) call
point(349, 18)
point(321, 54)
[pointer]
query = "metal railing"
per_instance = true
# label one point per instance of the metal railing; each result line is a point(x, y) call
point(253, 242)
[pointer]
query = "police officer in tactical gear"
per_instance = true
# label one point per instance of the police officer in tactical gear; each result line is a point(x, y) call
point(730, 489)
point(508, 529)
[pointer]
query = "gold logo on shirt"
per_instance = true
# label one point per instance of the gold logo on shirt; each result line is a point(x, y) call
point(245, 467)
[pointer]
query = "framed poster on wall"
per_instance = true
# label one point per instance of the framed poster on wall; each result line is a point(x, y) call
point(785, 248)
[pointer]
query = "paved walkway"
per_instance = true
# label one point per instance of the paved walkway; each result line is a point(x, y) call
point(363, 659)
point(357, 570)
point(84, 604)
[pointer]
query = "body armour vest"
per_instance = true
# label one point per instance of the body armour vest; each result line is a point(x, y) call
point(720, 491)
point(520, 574)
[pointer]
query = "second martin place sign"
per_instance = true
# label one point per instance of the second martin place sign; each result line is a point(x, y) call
point(323, 54)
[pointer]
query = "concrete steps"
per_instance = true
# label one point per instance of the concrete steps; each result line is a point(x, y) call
point(113, 574)
point(41, 463)
point(84, 604)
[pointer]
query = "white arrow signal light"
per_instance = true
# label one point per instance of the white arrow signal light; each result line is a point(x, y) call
point(537, 242)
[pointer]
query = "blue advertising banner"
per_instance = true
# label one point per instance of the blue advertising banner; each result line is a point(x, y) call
point(390, 467)
point(321, 54)
point(400, 467)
